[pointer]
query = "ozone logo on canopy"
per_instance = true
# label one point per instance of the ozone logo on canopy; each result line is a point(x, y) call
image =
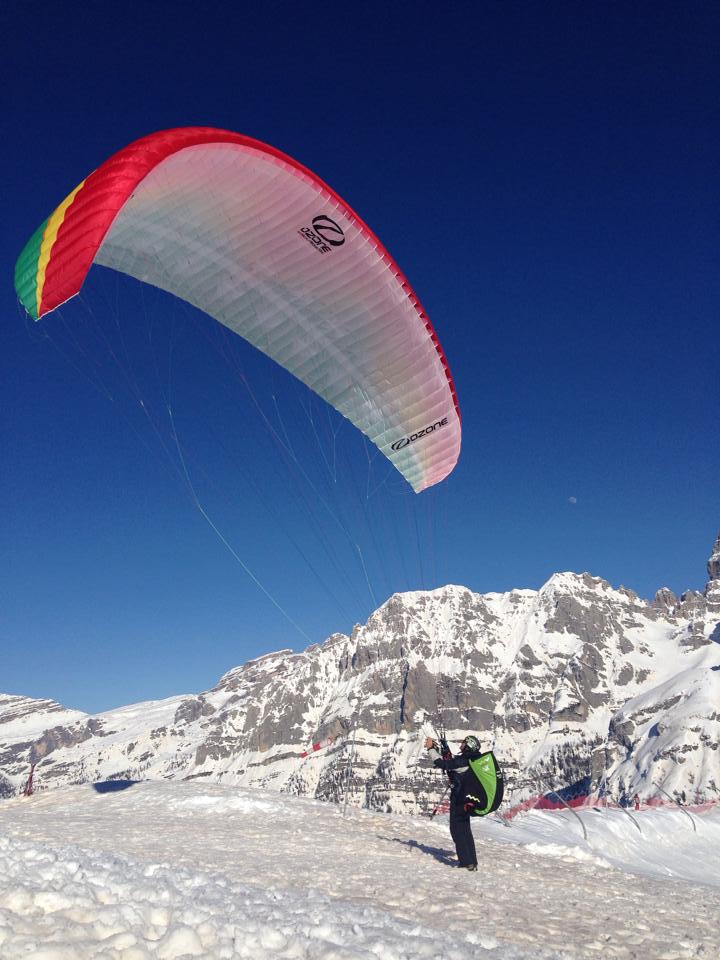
point(330, 231)
point(431, 428)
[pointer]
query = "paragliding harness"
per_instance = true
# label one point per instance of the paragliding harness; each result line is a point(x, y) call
point(483, 785)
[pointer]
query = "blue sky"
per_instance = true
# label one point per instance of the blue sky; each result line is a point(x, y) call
point(546, 176)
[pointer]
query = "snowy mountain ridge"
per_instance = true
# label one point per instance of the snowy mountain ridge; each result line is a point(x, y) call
point(578, 683)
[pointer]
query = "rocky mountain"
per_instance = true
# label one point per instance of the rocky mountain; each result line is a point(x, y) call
point(22, 722)
point(578, 684)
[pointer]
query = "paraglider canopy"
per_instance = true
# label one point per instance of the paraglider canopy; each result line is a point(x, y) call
point(259, 242)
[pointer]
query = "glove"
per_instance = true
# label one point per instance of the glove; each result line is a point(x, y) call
point(445, 751)
point(470, 807)
point(430, 744)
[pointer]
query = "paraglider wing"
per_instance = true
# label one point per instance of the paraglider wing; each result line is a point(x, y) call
point(259, 242)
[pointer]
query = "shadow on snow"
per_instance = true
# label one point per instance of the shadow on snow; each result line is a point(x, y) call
point(113, 786)
point(442, 856)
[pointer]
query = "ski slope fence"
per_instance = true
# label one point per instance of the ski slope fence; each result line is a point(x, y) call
point(550, 801)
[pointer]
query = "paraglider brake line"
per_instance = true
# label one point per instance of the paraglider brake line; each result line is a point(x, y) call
point(440, 801)
point(222, 539)
point(367, 579)
point(566, 805)
point(287, 448)
point(675, 800)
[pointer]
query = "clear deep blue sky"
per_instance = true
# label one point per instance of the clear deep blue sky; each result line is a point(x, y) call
point(545, 174)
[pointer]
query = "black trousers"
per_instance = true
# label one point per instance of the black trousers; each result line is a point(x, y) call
point(461, 832)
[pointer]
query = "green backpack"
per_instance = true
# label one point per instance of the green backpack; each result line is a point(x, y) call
point(483, 785)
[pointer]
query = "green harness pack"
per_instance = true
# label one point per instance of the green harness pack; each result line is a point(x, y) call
point(484, 784)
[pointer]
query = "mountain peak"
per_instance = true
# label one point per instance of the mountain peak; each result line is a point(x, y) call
point(713, 564)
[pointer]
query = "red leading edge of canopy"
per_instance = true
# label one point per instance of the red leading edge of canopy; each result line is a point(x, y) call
point(106, 190)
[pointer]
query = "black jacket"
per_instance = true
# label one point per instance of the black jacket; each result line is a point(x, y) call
point(456, 768)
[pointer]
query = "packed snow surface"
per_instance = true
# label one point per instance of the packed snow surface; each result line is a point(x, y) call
point(172, 869)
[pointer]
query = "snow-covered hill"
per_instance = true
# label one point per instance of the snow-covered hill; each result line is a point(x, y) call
point(174, 870)
point(576, 683)
point(22, 722)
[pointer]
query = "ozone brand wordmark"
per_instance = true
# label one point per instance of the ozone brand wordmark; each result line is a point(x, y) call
point(324, 234)
point(330, 231)
point(405, 441)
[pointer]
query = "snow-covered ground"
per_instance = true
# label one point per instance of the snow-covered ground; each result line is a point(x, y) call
point(186, 869)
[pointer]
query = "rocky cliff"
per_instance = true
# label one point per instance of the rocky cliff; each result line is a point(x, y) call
point(576, 683)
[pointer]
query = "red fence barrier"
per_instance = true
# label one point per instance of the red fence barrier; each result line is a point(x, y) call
point(548, 802)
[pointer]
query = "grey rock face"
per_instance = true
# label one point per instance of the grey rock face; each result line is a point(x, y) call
point(713, 566)
point(22, 721)
point(712, 599)
point(665, 600)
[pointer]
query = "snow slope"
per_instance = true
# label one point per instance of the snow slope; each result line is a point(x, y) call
point(186, 869)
